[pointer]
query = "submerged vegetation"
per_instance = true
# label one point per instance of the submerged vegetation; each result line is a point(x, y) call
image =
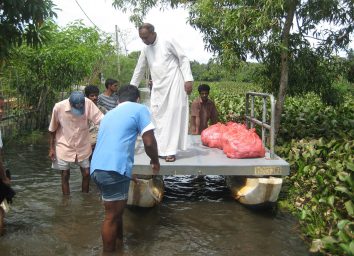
point(318, 142)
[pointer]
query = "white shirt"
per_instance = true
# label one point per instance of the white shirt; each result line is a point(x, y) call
point(170, 69)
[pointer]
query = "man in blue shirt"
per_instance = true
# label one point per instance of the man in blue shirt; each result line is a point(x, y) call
point(113, 159)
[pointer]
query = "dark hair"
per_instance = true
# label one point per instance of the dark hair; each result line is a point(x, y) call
point(110, 81)
point(203, 87)
point(91, 89)
point(128, 93)
point(149, 27)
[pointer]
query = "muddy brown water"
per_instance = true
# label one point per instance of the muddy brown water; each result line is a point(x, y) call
point(196, 217)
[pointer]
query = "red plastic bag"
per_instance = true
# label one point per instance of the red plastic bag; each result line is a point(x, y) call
point(230, 130)
point(244, 144)
point(211, 136)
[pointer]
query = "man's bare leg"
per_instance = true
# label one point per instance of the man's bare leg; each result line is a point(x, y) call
point(112, 230)
point(85, 186)
point(65, 176)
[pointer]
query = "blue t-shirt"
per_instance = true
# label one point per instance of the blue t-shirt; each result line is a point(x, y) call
point(117, 135)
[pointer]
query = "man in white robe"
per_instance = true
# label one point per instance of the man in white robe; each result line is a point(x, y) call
point(172, 83)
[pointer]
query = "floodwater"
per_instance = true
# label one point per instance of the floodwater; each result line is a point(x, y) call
point(196, 217)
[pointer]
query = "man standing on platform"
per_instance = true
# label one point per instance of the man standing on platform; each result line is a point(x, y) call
point(172, 83)
point(203, 110)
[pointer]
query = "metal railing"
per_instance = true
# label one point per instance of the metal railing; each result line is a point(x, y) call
point(251, 119)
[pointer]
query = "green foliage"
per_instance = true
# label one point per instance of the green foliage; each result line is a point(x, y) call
point(22, 21)
point(71, 55)
point(310, 72)
point(215, 71)
point(126, 67)
point(308, 117)
point(321, 183)
point(350, 65)
point(321, 187)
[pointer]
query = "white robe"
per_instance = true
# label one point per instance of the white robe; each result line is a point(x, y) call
point(169, 68)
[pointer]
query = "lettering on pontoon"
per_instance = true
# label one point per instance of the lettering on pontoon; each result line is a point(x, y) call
point(263, 170)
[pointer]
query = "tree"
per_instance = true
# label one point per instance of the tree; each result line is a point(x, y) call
point(72, 55)
point(127, 65)
point(278, 33)
point(22, 21)
point(350, 64)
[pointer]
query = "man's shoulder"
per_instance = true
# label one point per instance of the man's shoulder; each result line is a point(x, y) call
point(210, 101)
point(196, 102)
point(100, 96)
point(135, 105)
point(62, 103)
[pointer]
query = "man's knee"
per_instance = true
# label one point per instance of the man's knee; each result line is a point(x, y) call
point(114, 209)
point(65, 175)
point(85, 173)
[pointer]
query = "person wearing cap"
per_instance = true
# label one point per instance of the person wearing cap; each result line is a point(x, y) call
point(69, 137)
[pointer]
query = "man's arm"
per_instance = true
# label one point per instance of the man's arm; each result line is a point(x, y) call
point(188, 87)
point(52, 146)
point(150, 146)
point(184, 65)
point(3, 176)
point(139, 70)
point(214, 115)
point(95, 114)
point(195, 124)
point(195, 118)
point(53, 126)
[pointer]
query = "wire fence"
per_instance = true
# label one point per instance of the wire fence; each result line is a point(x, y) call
point(18, 116)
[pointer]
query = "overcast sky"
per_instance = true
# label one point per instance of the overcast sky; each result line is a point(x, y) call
point(172, 23)
point(169, 22)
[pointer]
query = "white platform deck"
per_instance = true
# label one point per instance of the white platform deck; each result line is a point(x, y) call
point(202, 160)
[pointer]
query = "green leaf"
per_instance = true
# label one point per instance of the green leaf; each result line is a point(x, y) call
point(316, 245)
point(328, 240)
point(343, 190)
point(330, 200)
point(351, 247)
point(350, 166)
point(349, 206)
point(341, 224)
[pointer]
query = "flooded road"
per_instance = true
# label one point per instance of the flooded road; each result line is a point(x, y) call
point(197, 217)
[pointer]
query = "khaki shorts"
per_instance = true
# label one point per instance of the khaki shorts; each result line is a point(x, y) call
point(62, 165)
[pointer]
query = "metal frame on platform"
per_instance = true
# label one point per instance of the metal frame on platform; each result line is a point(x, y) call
point(251, 119)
